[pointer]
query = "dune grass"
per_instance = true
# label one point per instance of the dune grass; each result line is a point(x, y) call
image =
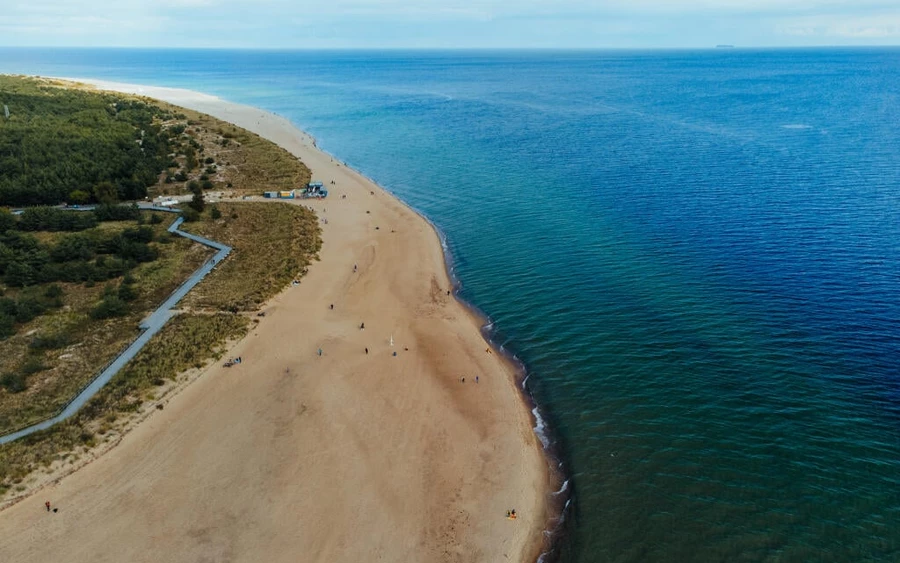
point(273, 244)
point(187, 341)
point(234, 161)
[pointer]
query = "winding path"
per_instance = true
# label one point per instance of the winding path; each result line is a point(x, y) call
point(150, 326)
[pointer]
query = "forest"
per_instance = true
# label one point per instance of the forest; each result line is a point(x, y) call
point(70, 146)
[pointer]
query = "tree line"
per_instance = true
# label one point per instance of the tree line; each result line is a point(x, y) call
point(62, 145)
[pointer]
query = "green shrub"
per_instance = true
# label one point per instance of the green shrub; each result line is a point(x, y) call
point(197, 202)
point(190, 214)
point(111, 306)
point(32, 366)
point(14, 382)
point(127, 292)
point(117, 212)
point(53, 291)
point(50, 341)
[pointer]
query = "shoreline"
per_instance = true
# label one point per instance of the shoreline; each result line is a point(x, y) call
point(530, 546)
point(557, 510)
point(558, 500)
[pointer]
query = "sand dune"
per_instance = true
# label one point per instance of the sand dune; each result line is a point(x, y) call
point(292, 456)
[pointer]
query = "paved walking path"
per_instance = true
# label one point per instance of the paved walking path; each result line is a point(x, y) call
point(150, 326)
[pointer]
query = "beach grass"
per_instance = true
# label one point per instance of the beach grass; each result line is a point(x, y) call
point(70, 347)
point(187, 342)
point(273, 243)
point(232, 160)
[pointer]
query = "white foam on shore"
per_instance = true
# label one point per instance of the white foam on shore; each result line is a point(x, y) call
point(564, 488)
point(540, 428)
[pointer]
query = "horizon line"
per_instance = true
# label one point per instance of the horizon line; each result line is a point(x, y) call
point(716, 47)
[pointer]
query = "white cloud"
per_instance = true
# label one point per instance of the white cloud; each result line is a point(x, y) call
point(500, 22)
point(850, 27)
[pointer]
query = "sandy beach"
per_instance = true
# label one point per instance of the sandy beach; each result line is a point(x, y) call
point(356, 454)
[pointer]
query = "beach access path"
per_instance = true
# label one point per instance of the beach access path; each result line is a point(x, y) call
point(294, 456)
point(149, 327)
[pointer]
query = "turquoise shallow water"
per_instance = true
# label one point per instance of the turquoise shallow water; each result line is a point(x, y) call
point(695, 254)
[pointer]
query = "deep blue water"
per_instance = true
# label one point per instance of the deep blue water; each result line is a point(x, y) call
point(694, 253)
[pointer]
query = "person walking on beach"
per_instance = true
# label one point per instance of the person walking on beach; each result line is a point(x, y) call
point(362, 326)
point(47, 504)
point(367, 350)
point(320, 351)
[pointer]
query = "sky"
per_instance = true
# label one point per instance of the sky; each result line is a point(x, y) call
point(344, 24)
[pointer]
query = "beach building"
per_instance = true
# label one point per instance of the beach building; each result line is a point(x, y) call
point(280, 195)
point(314, 190)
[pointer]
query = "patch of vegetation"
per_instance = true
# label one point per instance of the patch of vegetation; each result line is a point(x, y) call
point(74, 327)
point(53, 219)
point(187, 341)
point(52, 341)
point(26, 306)
point(239, 160)
point(273, 244)
point(90, 256)
point(110, 306)
point(65, 145)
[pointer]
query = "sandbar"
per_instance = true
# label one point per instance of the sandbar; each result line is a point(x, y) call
point(351, 455)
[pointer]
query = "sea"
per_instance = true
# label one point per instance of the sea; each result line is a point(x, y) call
point(695, 254)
